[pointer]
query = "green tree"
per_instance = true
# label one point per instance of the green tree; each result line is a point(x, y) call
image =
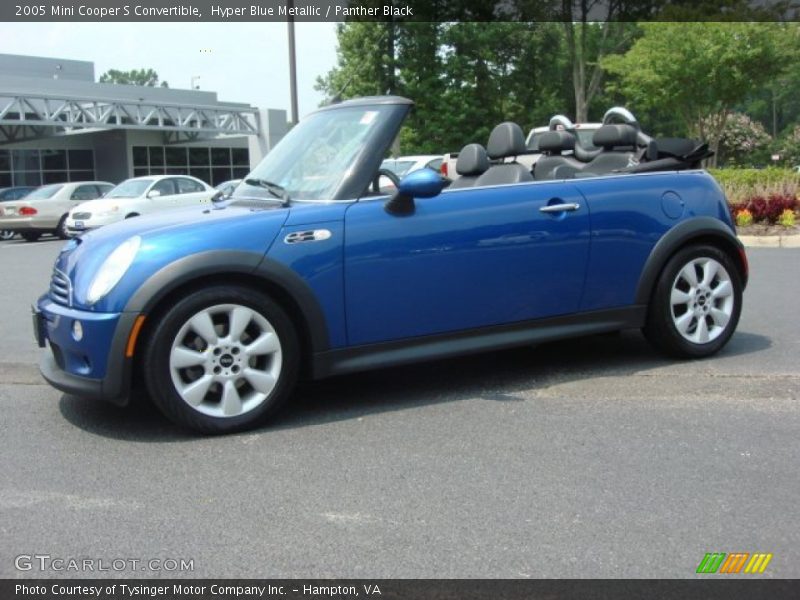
point(143, 77)
point(587, 44)
point(365, 61)
point(701, 71)
point(502, 71)
point(464, 77)
point(777, 103)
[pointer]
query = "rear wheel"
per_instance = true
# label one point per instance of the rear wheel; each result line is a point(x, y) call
point(222, 360)
point(7, 234)
point(30, 236)
point(696, 303)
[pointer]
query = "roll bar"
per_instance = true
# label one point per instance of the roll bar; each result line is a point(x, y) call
point(563, 121)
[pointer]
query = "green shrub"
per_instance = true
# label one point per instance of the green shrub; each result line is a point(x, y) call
point(744, 218)
point(787, 218)
point(740, 185)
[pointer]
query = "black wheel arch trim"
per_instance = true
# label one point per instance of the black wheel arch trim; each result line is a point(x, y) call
point(227, 262)
point(676, 238)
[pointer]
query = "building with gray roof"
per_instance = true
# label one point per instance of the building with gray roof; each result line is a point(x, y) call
point(58, 124)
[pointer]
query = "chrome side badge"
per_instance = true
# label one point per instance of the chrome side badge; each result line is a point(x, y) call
point(316, 235)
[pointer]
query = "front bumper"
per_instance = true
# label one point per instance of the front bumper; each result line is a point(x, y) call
point(77, 227)
point(94, 366)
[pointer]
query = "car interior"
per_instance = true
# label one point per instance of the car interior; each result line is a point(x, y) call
point(620, 148)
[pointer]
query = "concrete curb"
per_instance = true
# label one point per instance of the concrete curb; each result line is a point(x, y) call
point(770, 241)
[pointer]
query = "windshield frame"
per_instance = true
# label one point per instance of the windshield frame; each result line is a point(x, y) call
point(364, 165)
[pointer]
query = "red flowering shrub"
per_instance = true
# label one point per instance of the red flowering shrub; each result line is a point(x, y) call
point(766, 209)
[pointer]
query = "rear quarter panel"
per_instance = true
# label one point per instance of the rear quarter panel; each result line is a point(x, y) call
point(629, 215)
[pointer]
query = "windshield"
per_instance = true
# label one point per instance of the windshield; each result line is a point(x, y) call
point(311, 161)
point(132, 188)
point(47, 191)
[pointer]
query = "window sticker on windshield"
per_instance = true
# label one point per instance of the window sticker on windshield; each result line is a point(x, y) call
point(368, 117)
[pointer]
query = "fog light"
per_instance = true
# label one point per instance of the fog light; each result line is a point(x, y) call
point(77, 331)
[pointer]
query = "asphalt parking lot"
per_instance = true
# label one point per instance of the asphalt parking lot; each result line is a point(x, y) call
point(587, 458)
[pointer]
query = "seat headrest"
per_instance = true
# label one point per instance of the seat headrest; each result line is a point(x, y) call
point(472, 160)
point(505, 140)
point(613, 136)
point(556, 141)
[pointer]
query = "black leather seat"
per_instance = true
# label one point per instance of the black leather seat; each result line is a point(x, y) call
point(505, 141)
point(619, 144)
point(553, 165)
point(472, 163)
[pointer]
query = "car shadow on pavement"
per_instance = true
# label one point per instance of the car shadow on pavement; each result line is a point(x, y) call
point(493, 376)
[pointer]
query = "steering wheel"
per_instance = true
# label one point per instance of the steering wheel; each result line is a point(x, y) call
point(390, 175)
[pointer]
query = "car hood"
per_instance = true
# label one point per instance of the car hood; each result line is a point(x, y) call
point(165, 238)
point(99, 205)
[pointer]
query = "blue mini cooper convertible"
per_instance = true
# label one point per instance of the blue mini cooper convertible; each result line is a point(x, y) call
point(309, 269)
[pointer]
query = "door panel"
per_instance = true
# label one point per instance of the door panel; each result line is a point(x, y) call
point(466, 258)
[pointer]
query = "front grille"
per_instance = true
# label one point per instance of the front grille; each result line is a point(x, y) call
point(81, 216)
point(61, 288)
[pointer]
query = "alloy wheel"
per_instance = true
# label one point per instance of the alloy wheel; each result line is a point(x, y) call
point(225, 360)
point(702, 300)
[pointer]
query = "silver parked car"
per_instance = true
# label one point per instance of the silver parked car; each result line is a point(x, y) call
point(12, 193)
point(45, 209)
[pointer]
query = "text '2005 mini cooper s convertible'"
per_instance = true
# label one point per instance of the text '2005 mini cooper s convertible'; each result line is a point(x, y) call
point(309, 270)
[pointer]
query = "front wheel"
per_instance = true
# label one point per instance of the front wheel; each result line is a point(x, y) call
point(696, 303)
point(7, 234)
point(61, 229)
point(222, 360)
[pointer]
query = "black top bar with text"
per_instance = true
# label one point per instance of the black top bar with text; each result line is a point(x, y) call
point(400, 10)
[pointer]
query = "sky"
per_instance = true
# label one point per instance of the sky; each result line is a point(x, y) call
point(242, 62)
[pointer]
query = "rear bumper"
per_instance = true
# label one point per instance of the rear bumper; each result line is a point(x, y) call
point(31, 224)
point(93, 367)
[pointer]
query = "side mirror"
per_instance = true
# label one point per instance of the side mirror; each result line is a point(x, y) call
point(153, 194)
point(424, 183)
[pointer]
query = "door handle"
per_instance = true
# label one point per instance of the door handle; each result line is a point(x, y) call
point(556, 208)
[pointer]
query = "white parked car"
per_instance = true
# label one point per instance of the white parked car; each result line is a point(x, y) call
point(404, 165)
point(139, 196)
point(45, 209)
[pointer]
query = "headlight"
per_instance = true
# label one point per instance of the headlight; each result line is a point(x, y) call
point(107, 212)
point(113, 268)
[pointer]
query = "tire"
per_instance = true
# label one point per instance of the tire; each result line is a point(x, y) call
point(61, 229)
point(244, 380)
point(30, 236)
point(7, 234)
point(696, 303)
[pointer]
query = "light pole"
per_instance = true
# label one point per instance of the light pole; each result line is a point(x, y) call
point(292, 62)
